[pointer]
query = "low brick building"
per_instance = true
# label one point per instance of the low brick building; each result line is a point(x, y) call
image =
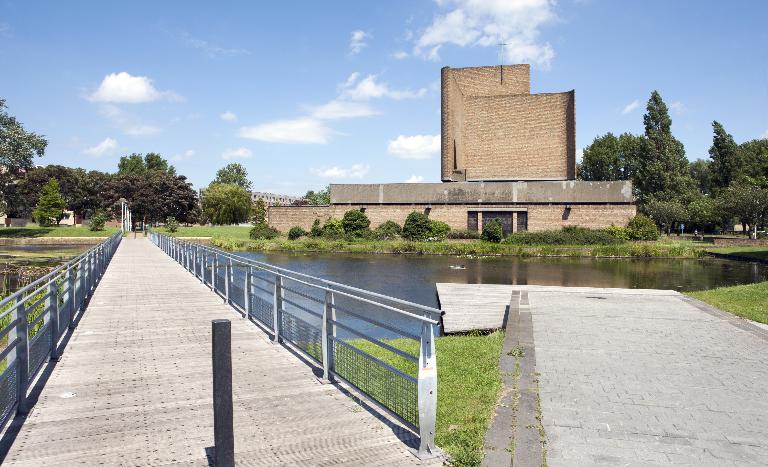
point(506, 154)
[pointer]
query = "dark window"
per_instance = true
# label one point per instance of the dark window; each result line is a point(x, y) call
point(472, 220)
point(522, 221)
point(504, 216)
point(455, 164)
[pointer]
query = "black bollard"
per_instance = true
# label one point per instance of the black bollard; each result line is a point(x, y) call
point(223, 433)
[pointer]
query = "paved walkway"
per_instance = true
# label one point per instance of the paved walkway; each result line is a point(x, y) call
point(648, 380)
point(134, 385)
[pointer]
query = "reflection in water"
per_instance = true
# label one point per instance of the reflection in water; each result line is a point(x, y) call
point(413, 277)
point(22, 264)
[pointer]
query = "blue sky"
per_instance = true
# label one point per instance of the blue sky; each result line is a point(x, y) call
point(309, 93)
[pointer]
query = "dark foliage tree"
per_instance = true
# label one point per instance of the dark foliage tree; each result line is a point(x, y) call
point(753, 158)
point(73, 184)
point(611, 158)
point(355, 222)
point(701, 173)
point(746, 200)
point(725, 157)
point(136, 164)
point(152, 197)
point(234, 174)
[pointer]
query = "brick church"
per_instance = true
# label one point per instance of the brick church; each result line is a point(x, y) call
point(506, 154)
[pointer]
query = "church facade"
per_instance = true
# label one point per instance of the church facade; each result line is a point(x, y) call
point(506, 154)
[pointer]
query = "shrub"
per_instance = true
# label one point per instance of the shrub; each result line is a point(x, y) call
point(567, 236)
point(171, 224)
point(464, 234)
point(642, 227)
point(619, 233)
point(355, 222)
point(262, 231)
point(492, 231)
point(389, 230)
point(438, 230)
point(417, 226)
point(97, 221)
point(295, 233)
point(333, 229)
point(316, 230)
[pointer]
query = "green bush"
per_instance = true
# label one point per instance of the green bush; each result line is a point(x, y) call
point(296, 232)
point(333, 229)
point(417, 227)
point(567, 236)
point(97, 221)
point(389, 230)
point(355, 222)
point(642, 227)
point(619, 233)
point(492, 231)
point(316, 230)
point(262, 231)
point(438, 230)
point(465, 234)
point(171, 224)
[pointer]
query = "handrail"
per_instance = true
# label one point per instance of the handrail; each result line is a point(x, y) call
point(34, 319)
point(412, 399)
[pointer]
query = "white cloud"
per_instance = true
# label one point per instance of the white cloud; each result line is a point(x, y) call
point(228, 116)
point(125, 88)
point(415, 179)
point(336, 109)
point(414, 147)
point(237, 153)
point(764, 135)
point(678, 107)
point(355, 171)
point(358, 41)
point(304, 130)
point(127, 122)
point(631, 107)
point(400, 55)
point(104, 148)
point(486, 23)
point(183, 156)
point(211, 50)
point(579, 154)
point(369, 88)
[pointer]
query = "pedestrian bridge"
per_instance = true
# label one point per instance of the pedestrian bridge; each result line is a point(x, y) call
point(107, 360)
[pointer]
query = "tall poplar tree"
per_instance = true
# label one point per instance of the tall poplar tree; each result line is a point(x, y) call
point(724, 154)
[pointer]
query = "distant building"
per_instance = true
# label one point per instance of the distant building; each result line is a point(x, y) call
point(272, 199)
point(506, 154)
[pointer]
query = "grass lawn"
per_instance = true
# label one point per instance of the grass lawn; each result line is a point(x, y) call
point(234, 232)
point(34, 231)
point(468, 382)
point(748, 301)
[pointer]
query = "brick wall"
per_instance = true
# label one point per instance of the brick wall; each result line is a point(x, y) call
point(540, 217)
point(494, 130)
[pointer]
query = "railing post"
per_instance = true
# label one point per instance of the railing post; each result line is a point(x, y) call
point(277, 309)
point(72, 297)
point(81, 271)
point(22, 355)
point(247, 291)
point(327, 349)
point(227, 280)
point(427, 386)
point(53, 291)
point(215, 273)
point(202, 269)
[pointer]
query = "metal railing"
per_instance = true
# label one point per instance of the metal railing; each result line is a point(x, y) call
point(34, 319)
point(381, 345)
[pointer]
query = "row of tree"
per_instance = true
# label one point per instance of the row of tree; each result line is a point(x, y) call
point(732, 185)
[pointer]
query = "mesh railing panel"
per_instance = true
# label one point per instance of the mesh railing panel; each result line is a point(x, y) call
point(303, 335)
point(261, 310)
point(236, 295)
point(9, 390)
point(392, 390)
point(39, 347)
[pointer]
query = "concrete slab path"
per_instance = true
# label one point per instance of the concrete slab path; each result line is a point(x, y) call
point(134, 386)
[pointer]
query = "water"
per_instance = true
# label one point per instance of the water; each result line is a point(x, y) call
point(413, 277)
point(22, 264)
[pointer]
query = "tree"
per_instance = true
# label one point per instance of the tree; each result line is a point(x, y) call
point(703, 212)
point(224, 203)
point(611, 158)
point(259, 212)
point(51, 205)
point(701, 173)
point(355, 222)
point(493, 231)
point(724, 154)
point(666, 212)
point(234, 174)
point(753, 159)
point(152, 197)
point(748, 201)
point(416, 226)
point(319, 198)
point(663, 167)
point(73, 184)
point(136, 164)
point(18, 149)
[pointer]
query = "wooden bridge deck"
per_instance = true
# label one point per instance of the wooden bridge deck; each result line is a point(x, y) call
point(134, 386)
